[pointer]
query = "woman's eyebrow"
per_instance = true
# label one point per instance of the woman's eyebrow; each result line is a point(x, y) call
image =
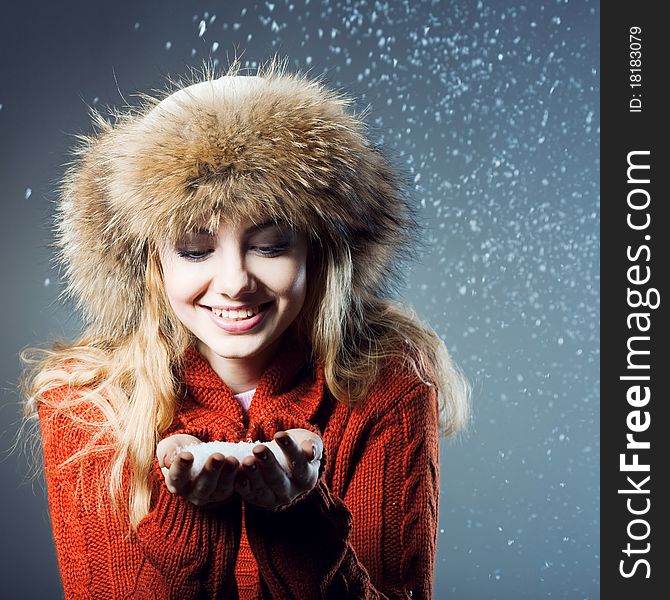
point(198, 233)
point(265, 225)
point(252, 229)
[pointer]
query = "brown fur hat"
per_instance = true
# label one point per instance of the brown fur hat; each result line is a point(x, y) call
point(274, 145)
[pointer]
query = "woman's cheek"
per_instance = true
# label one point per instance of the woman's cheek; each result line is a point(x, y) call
point(293, 285)
point(183, 287)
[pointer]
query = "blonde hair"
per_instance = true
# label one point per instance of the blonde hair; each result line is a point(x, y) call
point(131, 382)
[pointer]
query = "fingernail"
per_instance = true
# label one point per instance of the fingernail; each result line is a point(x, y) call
point(252, 467)
point(216, 463)
point(283, 440)
point(263, 455)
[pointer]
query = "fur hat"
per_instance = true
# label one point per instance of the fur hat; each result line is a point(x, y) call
point(274, 145)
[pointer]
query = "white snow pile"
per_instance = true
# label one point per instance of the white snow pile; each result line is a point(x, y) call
point(201, 452)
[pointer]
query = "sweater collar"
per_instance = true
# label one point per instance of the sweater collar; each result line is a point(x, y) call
point(292, 384)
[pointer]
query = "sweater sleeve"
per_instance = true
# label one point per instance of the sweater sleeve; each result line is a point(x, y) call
point(388, 514)
point(178, 550)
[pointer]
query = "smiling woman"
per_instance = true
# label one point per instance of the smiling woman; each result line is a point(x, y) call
point(231, 248)
point(237, 291)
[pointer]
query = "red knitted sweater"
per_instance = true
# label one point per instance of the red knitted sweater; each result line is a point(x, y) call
point(367, 530)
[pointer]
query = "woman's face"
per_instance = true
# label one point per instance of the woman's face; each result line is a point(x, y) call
point(239, 290)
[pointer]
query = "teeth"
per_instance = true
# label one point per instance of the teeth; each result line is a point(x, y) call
point(236, 314)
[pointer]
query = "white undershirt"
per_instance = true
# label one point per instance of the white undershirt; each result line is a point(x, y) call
point(244, 398)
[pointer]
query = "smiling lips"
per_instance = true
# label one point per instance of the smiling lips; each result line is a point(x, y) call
point(236, 314)
point(238, 320)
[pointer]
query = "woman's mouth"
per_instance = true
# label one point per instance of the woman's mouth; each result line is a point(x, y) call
point(239, 320)
point(236, 314)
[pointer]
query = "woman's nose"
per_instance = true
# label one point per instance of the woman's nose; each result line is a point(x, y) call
point(232, 277)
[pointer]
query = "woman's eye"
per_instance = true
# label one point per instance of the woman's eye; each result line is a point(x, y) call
point(273, 250)
point(194, 255)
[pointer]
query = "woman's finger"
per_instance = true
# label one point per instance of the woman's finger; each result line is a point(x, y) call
point(289, 447)
point(246, 478)
point(272, 472)
point(168, 446)
point(257, 489)
point(208, 479)
point(306, 470)
point(227, 477)
point(311, 450)
point(295, 457)
point(180, 472)
point(273, 476)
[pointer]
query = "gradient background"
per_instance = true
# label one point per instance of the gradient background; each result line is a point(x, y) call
point(492, 110)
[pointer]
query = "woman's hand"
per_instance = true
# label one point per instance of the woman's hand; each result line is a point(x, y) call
point(262, 481)
point(213, 484)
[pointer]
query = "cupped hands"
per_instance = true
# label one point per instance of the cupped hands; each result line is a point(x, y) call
point(259, 479)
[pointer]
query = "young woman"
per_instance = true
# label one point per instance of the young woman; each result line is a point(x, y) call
point(232, 249)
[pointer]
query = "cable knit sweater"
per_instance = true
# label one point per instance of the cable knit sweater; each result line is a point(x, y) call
point(367, 530)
